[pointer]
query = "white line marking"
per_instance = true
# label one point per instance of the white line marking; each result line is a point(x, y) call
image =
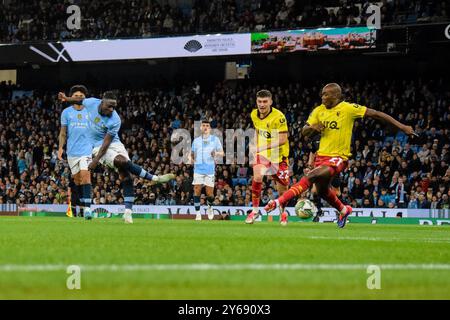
point(431, 240)
point(218, 267)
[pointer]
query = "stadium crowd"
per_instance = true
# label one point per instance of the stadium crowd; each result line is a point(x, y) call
point(38, 20)
point(387, 168)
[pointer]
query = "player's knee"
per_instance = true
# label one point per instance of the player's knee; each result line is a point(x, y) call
point(85, 177)
point(312, 176)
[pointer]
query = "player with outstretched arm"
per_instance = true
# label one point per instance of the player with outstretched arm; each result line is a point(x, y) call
point(104, 125)
point(334, 120)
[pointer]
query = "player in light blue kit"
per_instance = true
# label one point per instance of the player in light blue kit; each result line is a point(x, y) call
point(205, 149)
point(104, 126)
point(75, 131)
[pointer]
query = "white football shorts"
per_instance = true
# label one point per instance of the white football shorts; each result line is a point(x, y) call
point(113, 151)
point(204, 179)
point(76, 164)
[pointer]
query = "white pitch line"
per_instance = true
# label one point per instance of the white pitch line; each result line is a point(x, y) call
point(430, 240)
point(216, 267)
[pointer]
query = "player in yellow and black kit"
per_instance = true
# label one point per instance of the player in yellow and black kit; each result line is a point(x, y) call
point(272, 151)
point(334, 120)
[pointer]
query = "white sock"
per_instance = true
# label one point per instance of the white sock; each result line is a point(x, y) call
point(155, 178)
point(255, 209)
point(344, 210)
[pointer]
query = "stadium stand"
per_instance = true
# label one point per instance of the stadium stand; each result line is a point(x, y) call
point(387, 169)
point(144, 18)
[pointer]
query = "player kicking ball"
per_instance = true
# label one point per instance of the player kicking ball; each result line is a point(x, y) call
point(104, 125)
point(205, 149)
point(75, 131)
point(272, 152)
point(334, 120)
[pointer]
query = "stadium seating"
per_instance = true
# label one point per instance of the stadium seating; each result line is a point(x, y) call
point(46, 20)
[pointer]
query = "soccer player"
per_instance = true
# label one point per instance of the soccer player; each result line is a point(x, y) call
point(272, 152)
point(205, 149)
point(74, 130)
point(104, 125)
point(334, 119)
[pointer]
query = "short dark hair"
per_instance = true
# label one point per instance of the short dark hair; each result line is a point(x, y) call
point(205, 120)
point(110, 95)
point(78, 87)
point(264, 94)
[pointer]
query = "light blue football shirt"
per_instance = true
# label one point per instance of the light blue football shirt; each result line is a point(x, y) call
point(101, 125)
point(78, 136)
point(202, 148)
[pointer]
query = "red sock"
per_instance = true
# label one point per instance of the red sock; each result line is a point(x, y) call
point(294, 191)
point(256, 193)
point(332, 199)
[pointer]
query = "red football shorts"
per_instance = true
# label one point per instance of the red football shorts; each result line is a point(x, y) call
point(335, 164)
point(278, 171)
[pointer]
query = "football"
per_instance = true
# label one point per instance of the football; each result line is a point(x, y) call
point(305, 209)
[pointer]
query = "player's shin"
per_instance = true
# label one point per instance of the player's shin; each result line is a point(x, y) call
point(330, 196)
point(197, 204)
point(138, 171)
point(128, 196)
point(86, 198)
point(197, 207)
point(209, 202)
point(295, 191)
point(256, 195)
point(75, 194)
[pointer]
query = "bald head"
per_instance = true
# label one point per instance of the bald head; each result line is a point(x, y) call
point(331, 95)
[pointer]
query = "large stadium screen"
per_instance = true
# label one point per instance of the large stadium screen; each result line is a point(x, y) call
point(313, 40)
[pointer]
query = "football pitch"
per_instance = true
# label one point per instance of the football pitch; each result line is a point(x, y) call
point(186, 259)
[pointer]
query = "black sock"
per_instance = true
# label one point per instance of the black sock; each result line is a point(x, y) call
point(128, 192)
point(137, 170)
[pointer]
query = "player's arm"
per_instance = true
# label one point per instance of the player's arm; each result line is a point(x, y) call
point(218, 151)
point(105, 145)
point(63, 133)
point(381, 116)
point(311, 159)
point(312, 129)
point(62, 97)
point(62, 141)
point(191, 157)
point(313, 125)
point(282, 139)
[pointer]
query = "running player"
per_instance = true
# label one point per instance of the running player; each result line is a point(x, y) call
point(104, 125)
point(74, 130)
point(272, 151)
point(334, 119)
point(204, 151)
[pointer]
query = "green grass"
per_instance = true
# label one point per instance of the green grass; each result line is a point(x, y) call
point(64, 241)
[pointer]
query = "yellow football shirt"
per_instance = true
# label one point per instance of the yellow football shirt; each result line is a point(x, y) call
point(336, 138)
point(268, 130)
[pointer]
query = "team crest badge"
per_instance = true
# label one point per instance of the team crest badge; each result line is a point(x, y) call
point(96, 120)
point(338, 113)
point(79, 116)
